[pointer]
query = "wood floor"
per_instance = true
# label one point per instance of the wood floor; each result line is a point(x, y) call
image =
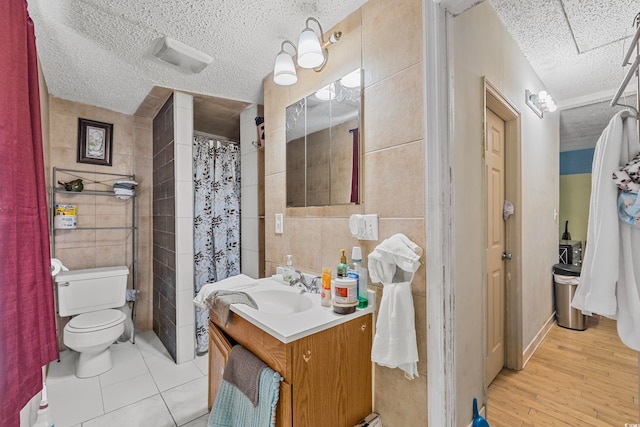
point(575, 378)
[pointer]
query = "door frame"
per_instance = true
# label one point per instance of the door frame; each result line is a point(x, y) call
point(495, 101)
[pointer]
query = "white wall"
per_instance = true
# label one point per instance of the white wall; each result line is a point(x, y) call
point(249, 186)
point(185, 317)
point(482, 47)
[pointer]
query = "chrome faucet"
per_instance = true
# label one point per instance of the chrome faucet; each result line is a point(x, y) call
point(306, 287)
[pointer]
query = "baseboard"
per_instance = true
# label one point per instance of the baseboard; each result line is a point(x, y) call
point(542, 333)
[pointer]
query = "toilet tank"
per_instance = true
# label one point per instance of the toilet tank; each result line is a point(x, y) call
point(92, 289)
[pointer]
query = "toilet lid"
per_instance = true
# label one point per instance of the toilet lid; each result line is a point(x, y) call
point(96, 320)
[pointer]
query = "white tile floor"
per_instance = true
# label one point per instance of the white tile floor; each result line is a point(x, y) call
point(144, 388)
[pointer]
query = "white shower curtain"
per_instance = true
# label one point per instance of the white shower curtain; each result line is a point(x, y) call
point(216, 219)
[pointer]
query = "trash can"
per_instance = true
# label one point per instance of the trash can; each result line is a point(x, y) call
point(566, 278)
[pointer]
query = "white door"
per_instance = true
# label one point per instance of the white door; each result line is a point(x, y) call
point(494, 179)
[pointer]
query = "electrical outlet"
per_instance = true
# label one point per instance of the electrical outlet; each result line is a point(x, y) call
point(279, 223)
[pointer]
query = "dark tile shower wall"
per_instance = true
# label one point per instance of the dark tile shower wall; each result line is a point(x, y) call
point(164, 242)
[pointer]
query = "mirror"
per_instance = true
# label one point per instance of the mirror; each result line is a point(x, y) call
point(323, 145)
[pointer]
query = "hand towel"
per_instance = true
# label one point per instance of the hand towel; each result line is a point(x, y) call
point(396, 251)
point(220, 300)
point(243, 371)
point(241, 281)
point(232, 408)
point(393, 263)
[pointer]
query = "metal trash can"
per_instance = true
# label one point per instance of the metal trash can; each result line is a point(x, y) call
point(566, 278)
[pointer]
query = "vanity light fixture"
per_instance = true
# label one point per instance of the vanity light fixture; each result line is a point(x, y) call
point(284, 71)
point(327, 93)
point(312, 52)
point(351, 80)
point(540, 103)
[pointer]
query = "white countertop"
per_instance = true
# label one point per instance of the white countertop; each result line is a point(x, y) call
point(293, 326)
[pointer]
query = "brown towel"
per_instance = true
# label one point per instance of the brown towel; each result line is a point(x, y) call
point(219, 302)
point(243, 371)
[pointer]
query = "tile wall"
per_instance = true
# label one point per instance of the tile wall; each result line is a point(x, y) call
point(132, 143)
point(164, 233)
point(385, 39)
point(252, 195)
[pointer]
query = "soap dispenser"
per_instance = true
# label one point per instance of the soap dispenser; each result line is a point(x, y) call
point(287, 274)
point(342, 265)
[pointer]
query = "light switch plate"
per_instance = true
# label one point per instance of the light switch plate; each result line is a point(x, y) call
point(279, 223)
point(370, 227)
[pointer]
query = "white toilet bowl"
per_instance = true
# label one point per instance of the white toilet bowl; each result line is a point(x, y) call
point(91, 334)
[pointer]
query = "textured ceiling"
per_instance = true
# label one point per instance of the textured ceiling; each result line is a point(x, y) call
point(99, 52)
point(575, 46)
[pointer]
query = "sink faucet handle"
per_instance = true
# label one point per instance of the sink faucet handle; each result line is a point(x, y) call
point(301, 276)
point(314, 283)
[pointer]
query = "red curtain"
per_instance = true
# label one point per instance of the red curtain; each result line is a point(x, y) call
point(355, 167)
point(27, 313)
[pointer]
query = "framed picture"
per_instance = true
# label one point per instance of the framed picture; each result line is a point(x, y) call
point(95, 142)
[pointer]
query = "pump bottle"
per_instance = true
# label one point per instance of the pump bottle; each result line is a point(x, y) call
point(288, 270)
point(342, 265)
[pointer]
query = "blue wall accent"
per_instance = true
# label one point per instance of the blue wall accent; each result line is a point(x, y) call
point(575, 162)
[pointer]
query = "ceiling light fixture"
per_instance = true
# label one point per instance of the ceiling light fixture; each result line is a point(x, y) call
point(182, 56)
point(540, 103)
point(312, 52)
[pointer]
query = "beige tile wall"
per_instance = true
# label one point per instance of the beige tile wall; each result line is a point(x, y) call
point(385, 39)
point(131, 155)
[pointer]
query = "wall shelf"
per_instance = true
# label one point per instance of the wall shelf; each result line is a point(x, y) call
point(57, 192)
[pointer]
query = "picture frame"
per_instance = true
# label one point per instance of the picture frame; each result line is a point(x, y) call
point(95, 142)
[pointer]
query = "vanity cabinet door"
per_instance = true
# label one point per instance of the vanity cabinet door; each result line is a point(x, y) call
point(219, 350)
point(332, 375)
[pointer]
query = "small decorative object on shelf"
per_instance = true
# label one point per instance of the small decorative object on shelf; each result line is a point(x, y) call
point(75, 185)
point(260, 127)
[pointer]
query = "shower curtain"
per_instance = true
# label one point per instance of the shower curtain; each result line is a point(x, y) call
point(216, 219)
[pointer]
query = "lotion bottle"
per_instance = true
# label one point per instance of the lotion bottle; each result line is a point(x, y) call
point(325, 292)
point(342, 266)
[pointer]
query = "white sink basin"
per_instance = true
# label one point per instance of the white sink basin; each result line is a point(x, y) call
point(288, 315)
point(279, 301)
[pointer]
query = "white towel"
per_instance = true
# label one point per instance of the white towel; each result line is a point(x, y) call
point(241, 281)
point(393, 263)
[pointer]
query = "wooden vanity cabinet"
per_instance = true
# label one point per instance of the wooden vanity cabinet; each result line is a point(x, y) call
point(327, 375)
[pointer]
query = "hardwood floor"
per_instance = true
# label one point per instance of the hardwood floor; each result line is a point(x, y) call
point(575, 378)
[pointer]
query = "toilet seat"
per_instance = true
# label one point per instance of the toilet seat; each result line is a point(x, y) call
point(95, 321)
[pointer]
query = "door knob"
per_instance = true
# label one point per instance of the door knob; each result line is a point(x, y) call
point(505, 255)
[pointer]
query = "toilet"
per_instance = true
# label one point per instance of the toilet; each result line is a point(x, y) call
point(91, 297)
